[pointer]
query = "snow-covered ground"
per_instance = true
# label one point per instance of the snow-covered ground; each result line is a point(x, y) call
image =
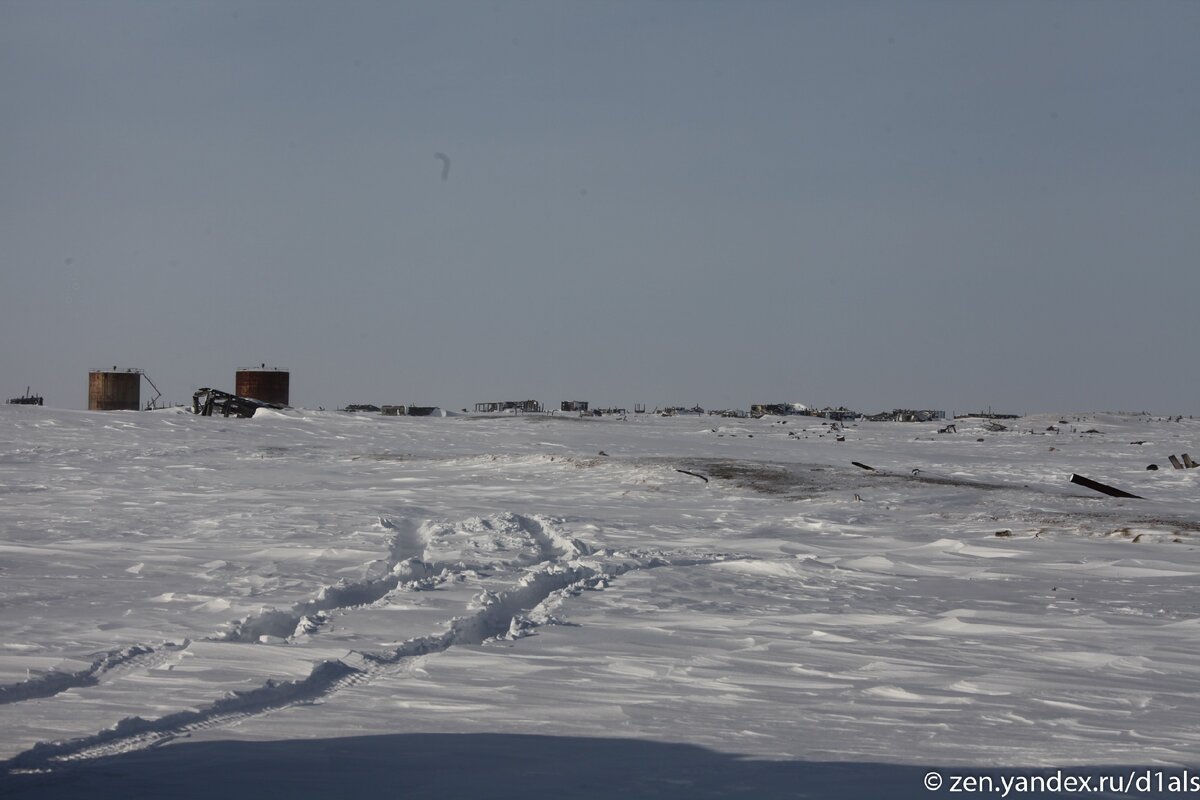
point(535, 606)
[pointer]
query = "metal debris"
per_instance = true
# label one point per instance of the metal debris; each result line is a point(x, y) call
point(1102, 488)
point(206, 401)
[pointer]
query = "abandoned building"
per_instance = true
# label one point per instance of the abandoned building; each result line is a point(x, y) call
point(580, 406)
point(777, 409)
point(908, 415)
point(518, 406)
point(989, 414)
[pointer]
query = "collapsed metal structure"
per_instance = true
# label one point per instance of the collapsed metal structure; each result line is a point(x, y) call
point(206, 402)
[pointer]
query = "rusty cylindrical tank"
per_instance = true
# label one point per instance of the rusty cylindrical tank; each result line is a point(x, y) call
point(269, 385)
point(115, 389)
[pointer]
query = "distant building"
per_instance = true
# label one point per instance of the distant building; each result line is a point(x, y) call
point(777, 409)
point(671, 411)
point(519, 406)
point(908, 415)
point(409, 411)
point(839, 414)
point(580, 406)
point(989, 414)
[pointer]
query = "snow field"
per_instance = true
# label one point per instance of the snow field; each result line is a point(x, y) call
point(316, 574)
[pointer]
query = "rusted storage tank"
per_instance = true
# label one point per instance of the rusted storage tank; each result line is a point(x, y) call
point(268, 384)
point(115, 389)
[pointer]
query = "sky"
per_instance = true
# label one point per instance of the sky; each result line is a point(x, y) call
point(949, 205)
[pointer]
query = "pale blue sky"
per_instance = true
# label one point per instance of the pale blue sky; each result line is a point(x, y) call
point(933, 204)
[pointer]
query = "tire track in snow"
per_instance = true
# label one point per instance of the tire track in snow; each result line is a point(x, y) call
point(408, 566)
point(108, 666)
point(492, 619)
point(405, 549)
point(510, 614)
point(133, 733)
point(553, 545)
point(405, 565)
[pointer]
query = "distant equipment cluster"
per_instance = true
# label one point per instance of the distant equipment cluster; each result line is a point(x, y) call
point(119, 389)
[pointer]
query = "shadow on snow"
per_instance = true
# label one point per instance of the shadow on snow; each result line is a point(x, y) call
point(492, 766)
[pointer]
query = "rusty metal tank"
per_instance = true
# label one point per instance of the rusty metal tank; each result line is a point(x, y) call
point(115, 389)
point(268, 384)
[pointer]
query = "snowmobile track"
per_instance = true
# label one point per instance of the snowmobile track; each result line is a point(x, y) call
point(507, 614)
point(106, 667)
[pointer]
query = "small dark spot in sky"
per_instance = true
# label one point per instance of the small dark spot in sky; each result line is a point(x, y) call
point(69, 261)
point(445, 159)
point(583, 192)
point(891, 40)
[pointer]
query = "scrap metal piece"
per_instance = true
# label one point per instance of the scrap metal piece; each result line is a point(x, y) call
point(1102, 488)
